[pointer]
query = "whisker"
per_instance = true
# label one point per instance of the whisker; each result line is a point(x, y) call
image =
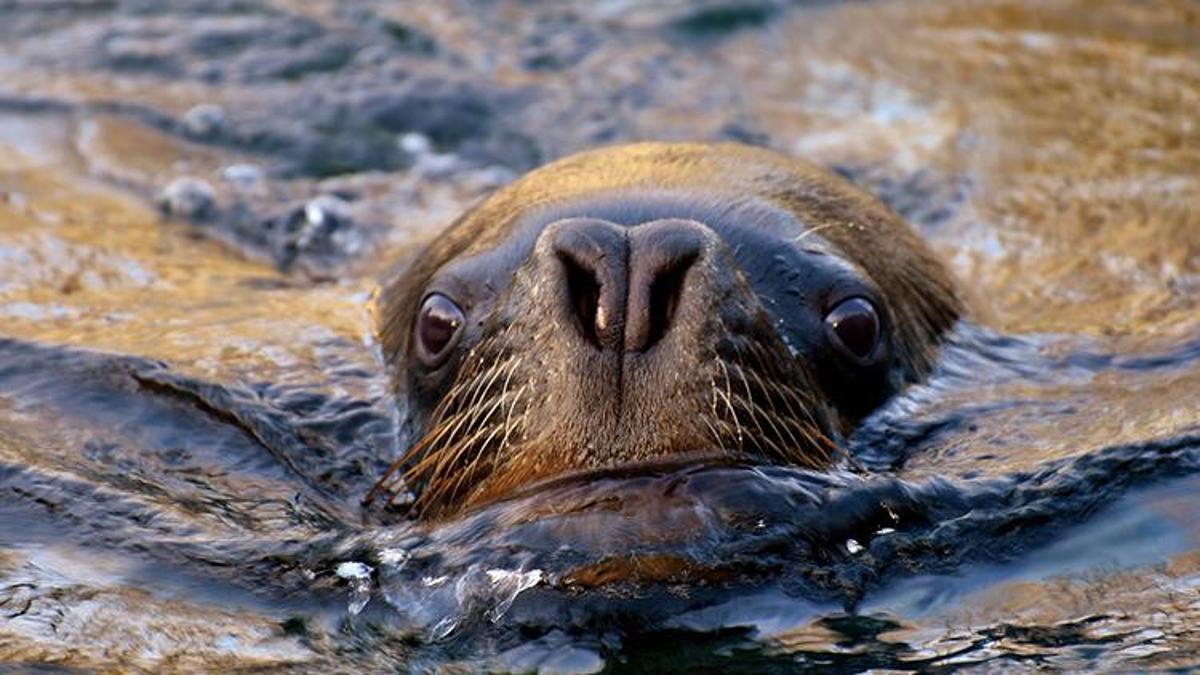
point(729, 404)
point(812, 230)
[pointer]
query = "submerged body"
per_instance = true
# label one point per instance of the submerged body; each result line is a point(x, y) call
point(655, 302)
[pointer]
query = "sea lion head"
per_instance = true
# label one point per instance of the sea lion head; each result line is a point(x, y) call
point(651, 303)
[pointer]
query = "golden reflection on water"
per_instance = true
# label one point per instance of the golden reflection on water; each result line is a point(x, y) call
point(1073, 123)
point(85, 263)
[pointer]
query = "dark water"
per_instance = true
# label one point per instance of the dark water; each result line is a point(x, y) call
point(192, 407)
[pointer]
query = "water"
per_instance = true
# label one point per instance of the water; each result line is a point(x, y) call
point(192, 408)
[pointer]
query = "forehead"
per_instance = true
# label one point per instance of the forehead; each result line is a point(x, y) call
point(631, 207)
point(740, 219)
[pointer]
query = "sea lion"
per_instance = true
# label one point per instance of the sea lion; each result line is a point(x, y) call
point(654, 302)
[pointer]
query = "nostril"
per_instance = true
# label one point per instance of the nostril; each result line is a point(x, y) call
point(592, 254)
point(583, 292)
point(662, 254)
point(665, 292)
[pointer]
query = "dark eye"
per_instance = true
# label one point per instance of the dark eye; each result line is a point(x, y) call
point(853, 325)
point(438, 326)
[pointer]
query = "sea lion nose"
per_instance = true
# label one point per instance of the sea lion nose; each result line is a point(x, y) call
point(624, 284)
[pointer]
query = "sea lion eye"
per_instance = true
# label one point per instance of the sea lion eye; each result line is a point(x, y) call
point(853, 325)
point(438, 325)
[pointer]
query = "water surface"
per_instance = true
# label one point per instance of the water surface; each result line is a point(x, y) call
point(198, 199)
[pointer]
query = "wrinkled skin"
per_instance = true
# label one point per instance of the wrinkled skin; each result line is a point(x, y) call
point(649, 302)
